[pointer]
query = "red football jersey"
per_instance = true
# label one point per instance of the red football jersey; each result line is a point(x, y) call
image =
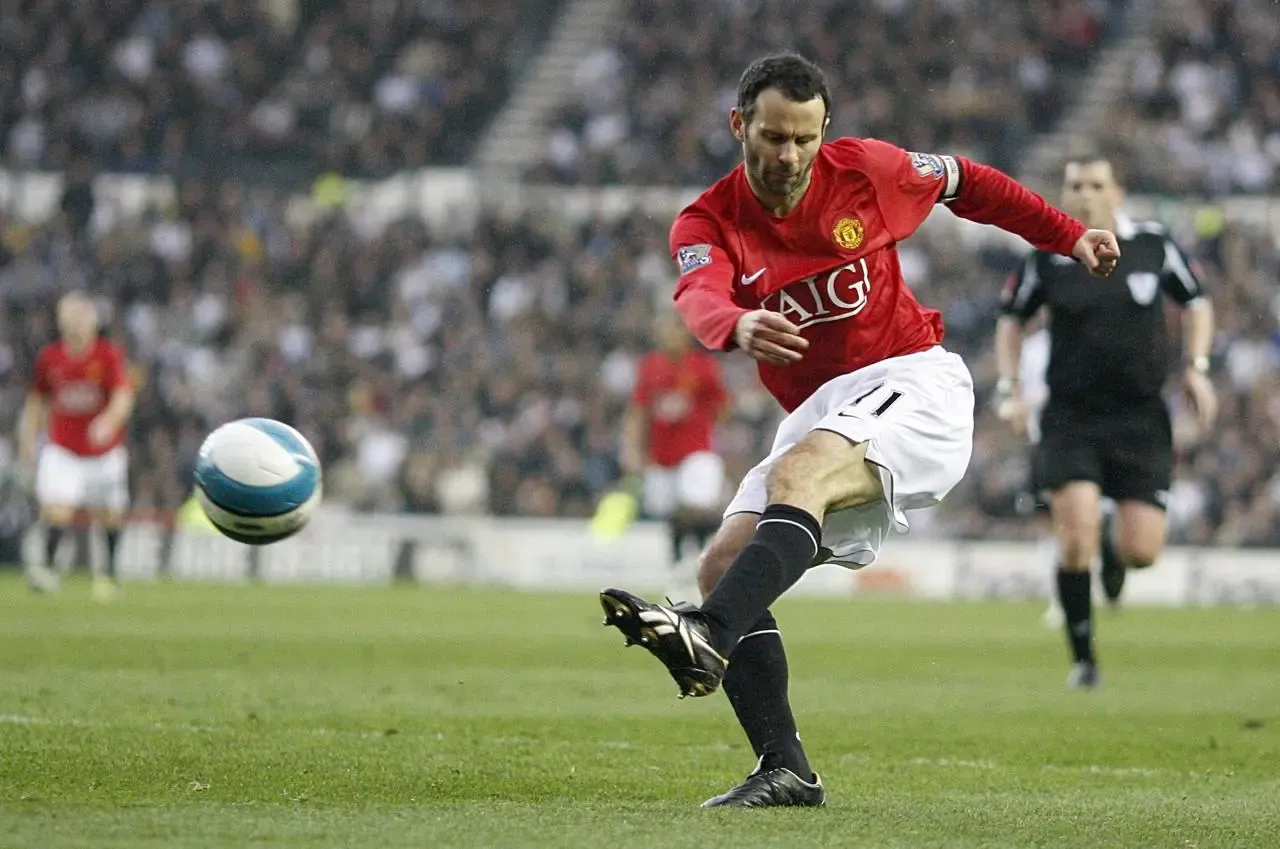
point(831, 266)
point(683, 398)
point(78, 388)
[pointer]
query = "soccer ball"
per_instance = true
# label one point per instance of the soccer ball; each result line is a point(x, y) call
point(258, 480)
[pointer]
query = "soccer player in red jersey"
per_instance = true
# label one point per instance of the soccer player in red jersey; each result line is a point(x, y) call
point(792, 259)
point(669, 432)
point(81, 387)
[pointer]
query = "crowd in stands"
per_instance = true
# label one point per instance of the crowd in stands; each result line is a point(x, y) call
point(281, 87)
point(438, 373)
point(1204, 102)
point(651, 106)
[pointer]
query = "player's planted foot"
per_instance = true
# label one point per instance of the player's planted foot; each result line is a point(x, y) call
point(42, 579)
point(772, 788)
point(1084, 676)
point(675, 635)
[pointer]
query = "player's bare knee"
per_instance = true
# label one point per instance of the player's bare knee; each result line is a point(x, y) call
point(58, 515)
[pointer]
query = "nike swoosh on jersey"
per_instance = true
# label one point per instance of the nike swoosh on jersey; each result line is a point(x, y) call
point(748, 280)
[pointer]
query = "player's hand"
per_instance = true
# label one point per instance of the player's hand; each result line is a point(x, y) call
point(1012, 410)
point(101, 431)
point(1203, 398)
point(1099, 251)
point(766, 336)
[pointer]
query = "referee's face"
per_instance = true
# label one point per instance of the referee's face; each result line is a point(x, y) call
point(1091, 194)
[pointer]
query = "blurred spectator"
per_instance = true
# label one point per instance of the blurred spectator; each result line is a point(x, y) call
point(1204, 110)
point(279, 88)
point(651, 106)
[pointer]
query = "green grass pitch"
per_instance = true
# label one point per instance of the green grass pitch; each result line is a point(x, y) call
point(213, 715)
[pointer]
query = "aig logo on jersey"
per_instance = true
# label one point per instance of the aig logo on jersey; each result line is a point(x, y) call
point(1142, 286)
point(834, 296)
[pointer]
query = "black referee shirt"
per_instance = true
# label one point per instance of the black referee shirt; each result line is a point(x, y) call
point(1109, 346)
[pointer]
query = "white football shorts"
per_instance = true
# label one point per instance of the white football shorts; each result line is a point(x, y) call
point(915, 413)
point(696, 483)
point(66, 479)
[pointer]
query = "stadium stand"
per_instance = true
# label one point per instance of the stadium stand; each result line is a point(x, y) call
point(434, 375)
point(432, 370)
point(650, 106)
point(1204, 103)
point(278, 88)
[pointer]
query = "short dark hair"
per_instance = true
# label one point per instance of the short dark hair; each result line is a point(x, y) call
point(797, 78)
point(1095, 157)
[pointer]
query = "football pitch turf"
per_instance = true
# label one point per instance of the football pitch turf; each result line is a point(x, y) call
point(198, 715)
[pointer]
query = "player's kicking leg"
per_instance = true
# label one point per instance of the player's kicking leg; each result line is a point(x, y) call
point(822, 464)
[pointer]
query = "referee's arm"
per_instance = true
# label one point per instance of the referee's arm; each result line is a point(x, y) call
point(1180, 281)
point(1020, 300)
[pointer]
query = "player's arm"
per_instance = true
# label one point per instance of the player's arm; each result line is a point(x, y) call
point(635, 447)
point(34, 413)
point(36, 410)
point(1021, 299)
point(982, 194)
point(119, 405)
point(704, 298)
point(1179, 280)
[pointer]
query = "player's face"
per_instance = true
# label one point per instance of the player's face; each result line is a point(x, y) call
point(780, 143)
point(1090, 193)
point(77, 320)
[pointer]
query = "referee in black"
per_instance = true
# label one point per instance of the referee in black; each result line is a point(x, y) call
point(1105, 430)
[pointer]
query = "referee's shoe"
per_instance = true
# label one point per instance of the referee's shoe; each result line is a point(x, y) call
point(676, 635)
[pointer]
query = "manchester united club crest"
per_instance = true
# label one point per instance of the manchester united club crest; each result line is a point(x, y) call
point(848, 233)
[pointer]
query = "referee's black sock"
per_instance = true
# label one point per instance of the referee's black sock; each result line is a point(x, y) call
point(52, 539)
point(1074, 589)
point(779, 554)
point(756, 684)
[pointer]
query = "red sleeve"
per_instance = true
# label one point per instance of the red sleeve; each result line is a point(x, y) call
point(704, 292)
point(988, 196)
point(908, 185)
point(40, 380)
point(116, 377)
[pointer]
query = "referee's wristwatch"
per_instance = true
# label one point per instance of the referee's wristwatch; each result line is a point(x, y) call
point(1005, 387)
point(1200, 364)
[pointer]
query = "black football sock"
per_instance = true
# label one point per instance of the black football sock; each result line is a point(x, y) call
point(677, 529)
point(779, 554)
point(52, 538)
point(756, 684)
point(1077, 608)
point(113, 544)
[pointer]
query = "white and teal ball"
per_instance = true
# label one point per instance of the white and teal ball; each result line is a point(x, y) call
point(258, 480)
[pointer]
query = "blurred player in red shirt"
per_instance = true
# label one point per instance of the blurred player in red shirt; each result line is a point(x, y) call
point(82, 392)
point(669, 434)
point(792, 259)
